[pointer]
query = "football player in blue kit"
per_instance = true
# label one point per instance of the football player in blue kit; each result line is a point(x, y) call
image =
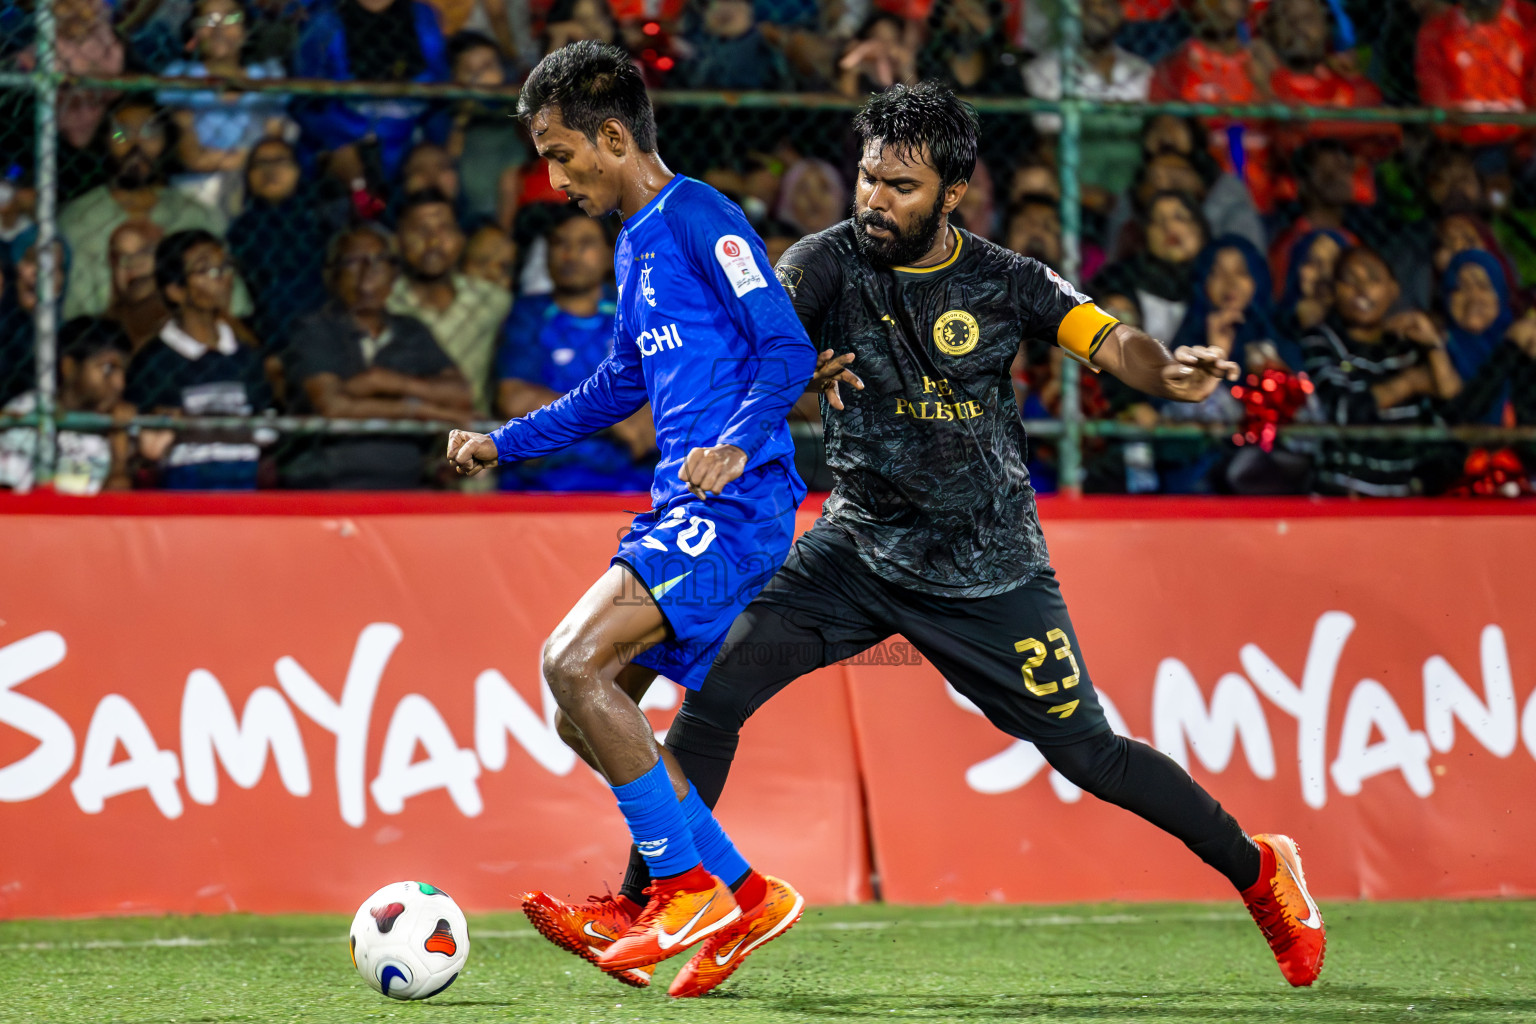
point(708, 336)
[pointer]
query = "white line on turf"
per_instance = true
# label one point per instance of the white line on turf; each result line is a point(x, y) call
point(1048, 921)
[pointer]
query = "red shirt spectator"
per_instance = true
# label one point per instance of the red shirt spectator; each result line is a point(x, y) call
point(1479, 56)
point(912, 10)
point(1216, 67)
point(1148, 10)
point(1298, 32)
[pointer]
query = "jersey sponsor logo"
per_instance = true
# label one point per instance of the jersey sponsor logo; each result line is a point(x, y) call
point(648, 292)
point(789, 277)
point(657, 339)
point(937, 408)
point(740, 268)
point(956, 333)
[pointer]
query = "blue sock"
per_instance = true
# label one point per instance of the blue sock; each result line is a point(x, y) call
point(657, 822)
point(715, 847)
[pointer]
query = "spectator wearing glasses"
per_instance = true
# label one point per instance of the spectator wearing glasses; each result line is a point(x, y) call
point(216, 129)
point(92, 356)
point(464, 313)
point(204, 363)
point(136, 149)
point(355, 360)
point(136, 303)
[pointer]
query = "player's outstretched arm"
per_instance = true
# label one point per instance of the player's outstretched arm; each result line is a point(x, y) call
point(1188, 374)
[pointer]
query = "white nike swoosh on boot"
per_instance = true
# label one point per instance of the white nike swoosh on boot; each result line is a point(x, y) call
point(666, 939)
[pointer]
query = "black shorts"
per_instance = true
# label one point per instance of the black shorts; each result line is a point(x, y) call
point(1014, 654)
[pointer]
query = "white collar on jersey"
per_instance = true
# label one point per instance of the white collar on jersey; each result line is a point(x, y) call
point(188, 347)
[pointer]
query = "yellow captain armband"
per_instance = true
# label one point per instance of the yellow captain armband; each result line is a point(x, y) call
point(1083, 330)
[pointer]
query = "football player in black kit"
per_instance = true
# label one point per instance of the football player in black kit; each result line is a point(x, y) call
point(931, 531)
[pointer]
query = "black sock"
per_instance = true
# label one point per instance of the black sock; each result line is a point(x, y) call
point(1148, 783)
point(704, 752)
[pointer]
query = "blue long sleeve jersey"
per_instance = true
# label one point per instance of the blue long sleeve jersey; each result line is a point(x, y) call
point(704, 331)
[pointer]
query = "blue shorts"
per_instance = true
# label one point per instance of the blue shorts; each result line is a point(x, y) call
point(704, 561)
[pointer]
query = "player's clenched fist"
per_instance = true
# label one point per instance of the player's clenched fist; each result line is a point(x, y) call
point(470, 452)
point(707, 470)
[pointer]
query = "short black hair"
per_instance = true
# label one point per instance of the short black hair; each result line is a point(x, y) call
point(559, 216)
point(590, 83)
point(1029, 199)
point(465, 40)
point(171, 255)
point(357, 229)
point(927, 116)
point(429, 196)
point(1304, 161)
point(1363, 252)
point(86, 336)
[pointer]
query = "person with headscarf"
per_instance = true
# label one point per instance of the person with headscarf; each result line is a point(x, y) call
point(367, 41)
point(1478, 316)
point(1307, 293)
point(1159, 277)
point(279, 241)
point(18, 311)
point(812, 196)
point(1231, 309)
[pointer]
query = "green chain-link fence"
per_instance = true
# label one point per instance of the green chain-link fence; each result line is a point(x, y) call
point(115, 139)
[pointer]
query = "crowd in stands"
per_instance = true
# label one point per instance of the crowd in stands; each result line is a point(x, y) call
point(228, 249)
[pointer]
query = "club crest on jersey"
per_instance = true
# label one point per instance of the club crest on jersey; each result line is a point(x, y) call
point(956, 333)
point(648, 292)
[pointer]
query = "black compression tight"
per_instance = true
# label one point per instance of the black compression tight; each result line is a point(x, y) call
point(1120, 771)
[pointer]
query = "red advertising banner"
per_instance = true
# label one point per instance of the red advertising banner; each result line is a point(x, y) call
point(1363, 684)
point(203, 708)
point(264, 713)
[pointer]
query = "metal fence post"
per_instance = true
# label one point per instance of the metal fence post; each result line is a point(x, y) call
point(1070, 452)
point(45, 85)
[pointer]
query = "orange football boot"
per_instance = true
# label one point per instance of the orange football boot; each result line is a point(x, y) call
point(1285, 911)
point(719, 957)
point(682, 911)
point(587, 929)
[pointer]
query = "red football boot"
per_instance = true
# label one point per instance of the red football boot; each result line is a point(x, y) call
point(587, 929)
point(1285, 912)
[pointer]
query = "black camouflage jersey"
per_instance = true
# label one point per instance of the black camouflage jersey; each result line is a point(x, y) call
point(929, 458)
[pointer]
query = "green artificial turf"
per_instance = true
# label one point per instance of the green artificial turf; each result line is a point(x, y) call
point(1429, 962)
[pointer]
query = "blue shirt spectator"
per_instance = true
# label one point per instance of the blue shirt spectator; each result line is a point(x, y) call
point(368, 41)
point(554, 342)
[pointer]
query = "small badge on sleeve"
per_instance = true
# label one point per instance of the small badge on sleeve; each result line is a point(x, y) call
point(735, 257)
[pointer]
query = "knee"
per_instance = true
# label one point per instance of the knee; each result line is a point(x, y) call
point(712, 731)
point(1092, 763)
point(566, 671)
point(568, 733)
